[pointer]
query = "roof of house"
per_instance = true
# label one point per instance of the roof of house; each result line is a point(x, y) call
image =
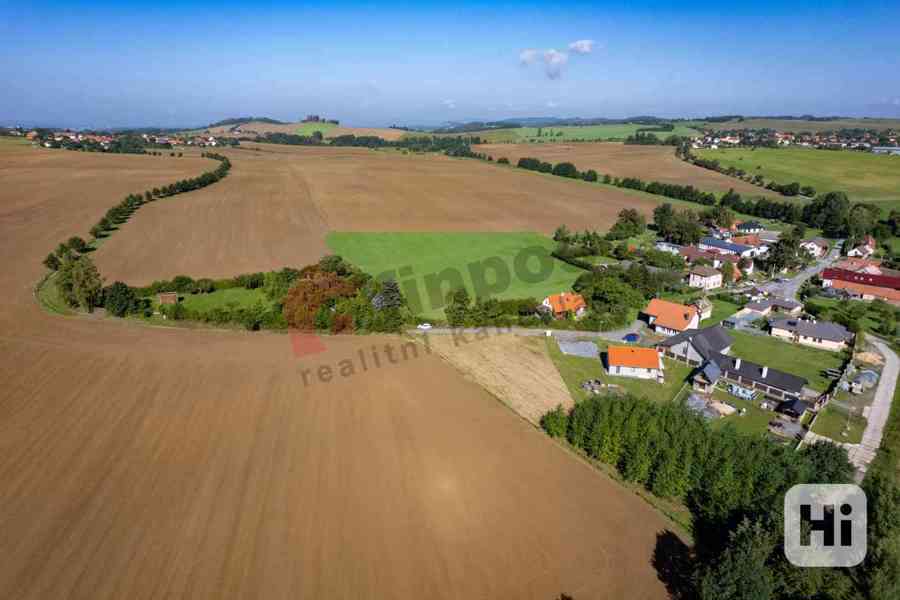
point(723, 245)
point(868, 290)
point(866, 278)
point(747, 225)
point(671, 315)
point(704, 271)
point(632, 356)
point(821, 242)
point(782, 303)
point(566, 302)
point(850, 263)
point(754, 372)
point(797, 406)
point(706, 342)
point(747, 240)
point(825, 330)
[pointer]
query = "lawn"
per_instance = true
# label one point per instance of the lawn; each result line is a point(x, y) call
point(832, 422)
point(310, 128)
point(429, 265)
point(755, 421)
point(576, 369)
point(237, 297)
point(864, 176)
point(785, 356)
point(590, 133)
point(722, 309)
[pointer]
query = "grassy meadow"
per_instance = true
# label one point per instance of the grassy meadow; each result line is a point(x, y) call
point(310, 128)
point(865, 177)
point(237, 297)
point(439, 261)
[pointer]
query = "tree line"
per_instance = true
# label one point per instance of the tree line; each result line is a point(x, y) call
point(78, 280)
point(734, 485)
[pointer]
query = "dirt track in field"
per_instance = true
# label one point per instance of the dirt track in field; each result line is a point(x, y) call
point(276, 209)
point(146, 462)
point(650, 163)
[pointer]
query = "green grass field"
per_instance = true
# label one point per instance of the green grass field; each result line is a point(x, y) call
point(832, 423)
point(593, 133)
point(865, 177)
point(785, 356)
point(755, 421)
point(439, 262)
point(232, 297)
point(309, 128)
point(722, 309)
point(576, 369)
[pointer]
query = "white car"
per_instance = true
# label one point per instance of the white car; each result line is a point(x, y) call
point(424, 326)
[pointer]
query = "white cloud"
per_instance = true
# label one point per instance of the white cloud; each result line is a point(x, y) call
point(529, 56)
point(551, 104)
point(554, 61)
point(451, 104)
point(582, 46)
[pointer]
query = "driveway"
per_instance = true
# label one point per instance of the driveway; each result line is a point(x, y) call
point(790, 288)
point(863, 454)
point(560, 334)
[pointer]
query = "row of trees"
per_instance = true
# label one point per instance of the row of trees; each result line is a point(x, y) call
point(734, 485)
point(787, 189)
point(563, 169)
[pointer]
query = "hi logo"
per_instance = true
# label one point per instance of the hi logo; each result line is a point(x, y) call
point(825, 525)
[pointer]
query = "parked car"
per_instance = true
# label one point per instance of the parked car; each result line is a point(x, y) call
point(424, 326)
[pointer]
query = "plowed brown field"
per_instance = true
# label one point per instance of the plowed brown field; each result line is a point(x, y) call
point(650, 163)
point(275, 209)
point(143, 462)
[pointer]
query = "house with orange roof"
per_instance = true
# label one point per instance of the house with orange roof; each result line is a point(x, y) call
point(631, 361)
point(868, 292)
point(564, 304)
point(671, 318)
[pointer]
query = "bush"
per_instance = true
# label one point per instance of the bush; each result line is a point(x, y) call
point(119, 299)
point(555, 422)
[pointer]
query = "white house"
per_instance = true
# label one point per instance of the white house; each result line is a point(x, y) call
point(631, 361)
point(671, 318)
point(817, 247)
point(822, 334)
point(705, 278)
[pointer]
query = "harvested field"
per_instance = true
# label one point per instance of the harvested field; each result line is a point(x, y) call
point(517, 370)
point(650, 163)
point(278, 203)
point(800, 125)
point(147, 462)
point(328, 130)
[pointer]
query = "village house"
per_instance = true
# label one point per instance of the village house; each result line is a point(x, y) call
point(818, 334)
point(708, 348)
point(865, 249)
point(693, 254)
point(669, 247)
point(704, 307)
point(565, 304)
point(884, 278)
point(752, 240)
point(705, 278)
point(862, 291)
point(723, 247)
point(631, 361)
point(766, 306)
point(817, 247)
point(671, 318)
point(749, 227)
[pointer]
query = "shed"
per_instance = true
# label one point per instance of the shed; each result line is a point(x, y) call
point(167, 298)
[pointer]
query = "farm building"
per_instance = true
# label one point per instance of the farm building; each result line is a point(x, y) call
point(705, 278)
point(631, 361)
point(565, 304)
point(723, 247)
point(167, 298)
point(671, 318)
point(818, 334)
point(749, 227)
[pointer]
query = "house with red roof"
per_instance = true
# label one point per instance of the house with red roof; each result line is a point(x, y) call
point(631, 361)
point(564, 304)
point(671, 318)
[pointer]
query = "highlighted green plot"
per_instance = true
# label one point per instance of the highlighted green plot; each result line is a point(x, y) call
point(428, 264)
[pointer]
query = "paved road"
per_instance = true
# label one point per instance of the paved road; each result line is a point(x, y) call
point(863, 454)
point(560, 334)
point(790, 288)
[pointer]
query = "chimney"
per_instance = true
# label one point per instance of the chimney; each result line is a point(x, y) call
point(737, 363)
point(765, 372)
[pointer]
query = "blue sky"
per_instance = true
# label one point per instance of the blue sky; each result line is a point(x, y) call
point(107, 64)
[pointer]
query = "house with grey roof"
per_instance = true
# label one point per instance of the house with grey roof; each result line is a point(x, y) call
point(724, 247)
point(817, 334)
point(709, 350)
